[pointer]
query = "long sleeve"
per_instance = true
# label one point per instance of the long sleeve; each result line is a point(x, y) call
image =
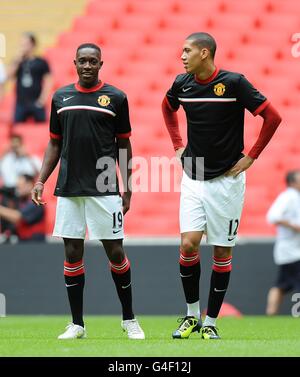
point(171, 120)
point(271, 121)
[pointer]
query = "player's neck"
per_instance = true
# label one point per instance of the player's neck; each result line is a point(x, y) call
point(207, 72)
point(88, 85)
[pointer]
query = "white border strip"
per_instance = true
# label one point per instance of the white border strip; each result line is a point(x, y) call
point(169, 241)
point(86, 108)
point(207, 99)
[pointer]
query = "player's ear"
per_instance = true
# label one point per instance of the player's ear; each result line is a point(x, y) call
point(101, 63)
point(204, 53)
point(74, 61)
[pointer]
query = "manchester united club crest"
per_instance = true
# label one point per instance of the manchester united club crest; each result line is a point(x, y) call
point(219, 89)
point(104, 101)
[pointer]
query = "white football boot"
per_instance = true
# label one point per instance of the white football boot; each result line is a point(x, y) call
point(73, 332)
point(133, 329)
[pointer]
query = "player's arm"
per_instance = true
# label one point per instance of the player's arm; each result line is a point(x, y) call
point(171, 121)
point(170, 105)
point(125, 157)
point(257, 104)
point(271, 121)
point(51, 157)
point(123, 133)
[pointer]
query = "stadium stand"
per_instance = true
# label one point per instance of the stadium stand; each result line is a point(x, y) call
point(141, 43)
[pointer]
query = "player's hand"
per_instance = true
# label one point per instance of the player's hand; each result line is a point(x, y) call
point(37, 193)
point(126, 201)
point(179, 152)
point(242, 165)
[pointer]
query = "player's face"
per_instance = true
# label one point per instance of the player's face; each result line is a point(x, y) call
point(193, 57)
point(88, 63)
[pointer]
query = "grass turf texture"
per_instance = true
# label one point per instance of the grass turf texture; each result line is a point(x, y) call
point(248, 336)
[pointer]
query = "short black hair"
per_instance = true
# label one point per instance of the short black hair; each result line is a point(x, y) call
point(88, 45)
point(31, 37)
point(202, 39)
point(16, 136)
point(291, 177)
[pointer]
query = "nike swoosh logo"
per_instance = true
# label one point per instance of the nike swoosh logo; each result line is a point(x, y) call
point(126, 286)
point(186, 89)
point(186, 276)
point(116, 231)
point(231, 239)
point(70, 285)
point(219, 290)
point(67, 98)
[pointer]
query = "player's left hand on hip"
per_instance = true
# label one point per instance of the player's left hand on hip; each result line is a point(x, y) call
point(126, 201)
point(242, 165)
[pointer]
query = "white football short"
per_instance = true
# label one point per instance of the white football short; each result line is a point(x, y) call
point(212, 206)
point(102, 216)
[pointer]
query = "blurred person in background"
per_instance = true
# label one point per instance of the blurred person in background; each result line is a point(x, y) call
point(212, 193)
point(2, 79)
point(33, 81)
point(285, 214)
point(28, 219)
point(15, 162)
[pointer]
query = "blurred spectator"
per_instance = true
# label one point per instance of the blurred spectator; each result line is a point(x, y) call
point(15, 162)
point(28, 218)
point(285, 214)
point(2, 78)
point(33, 81)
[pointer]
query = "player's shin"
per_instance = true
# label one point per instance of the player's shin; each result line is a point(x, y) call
point(74, 279)
point(121, 275)
point(190, 275)
point(218, 286)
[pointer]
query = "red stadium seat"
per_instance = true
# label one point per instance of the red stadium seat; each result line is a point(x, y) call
point(74, 39)
point(107, 9)
point(239, 7)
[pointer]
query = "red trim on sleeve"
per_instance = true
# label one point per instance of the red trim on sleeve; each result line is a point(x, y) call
point(123, 136)
point(169, 105)
point(89, 90)
point(261, 107)
point(271, 121)
point(171, 120)
point(55, 136)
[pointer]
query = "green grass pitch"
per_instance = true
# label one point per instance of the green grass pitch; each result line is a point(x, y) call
point(247, 336)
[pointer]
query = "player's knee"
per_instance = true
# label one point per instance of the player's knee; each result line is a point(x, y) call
point(116, 255)
point(222, 252)
point(73, 250)
point(188, 246)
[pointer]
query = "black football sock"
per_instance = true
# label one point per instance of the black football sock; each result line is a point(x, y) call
point(218, 285)
point(121, 275)
point(74, 279)
point(190, 275)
